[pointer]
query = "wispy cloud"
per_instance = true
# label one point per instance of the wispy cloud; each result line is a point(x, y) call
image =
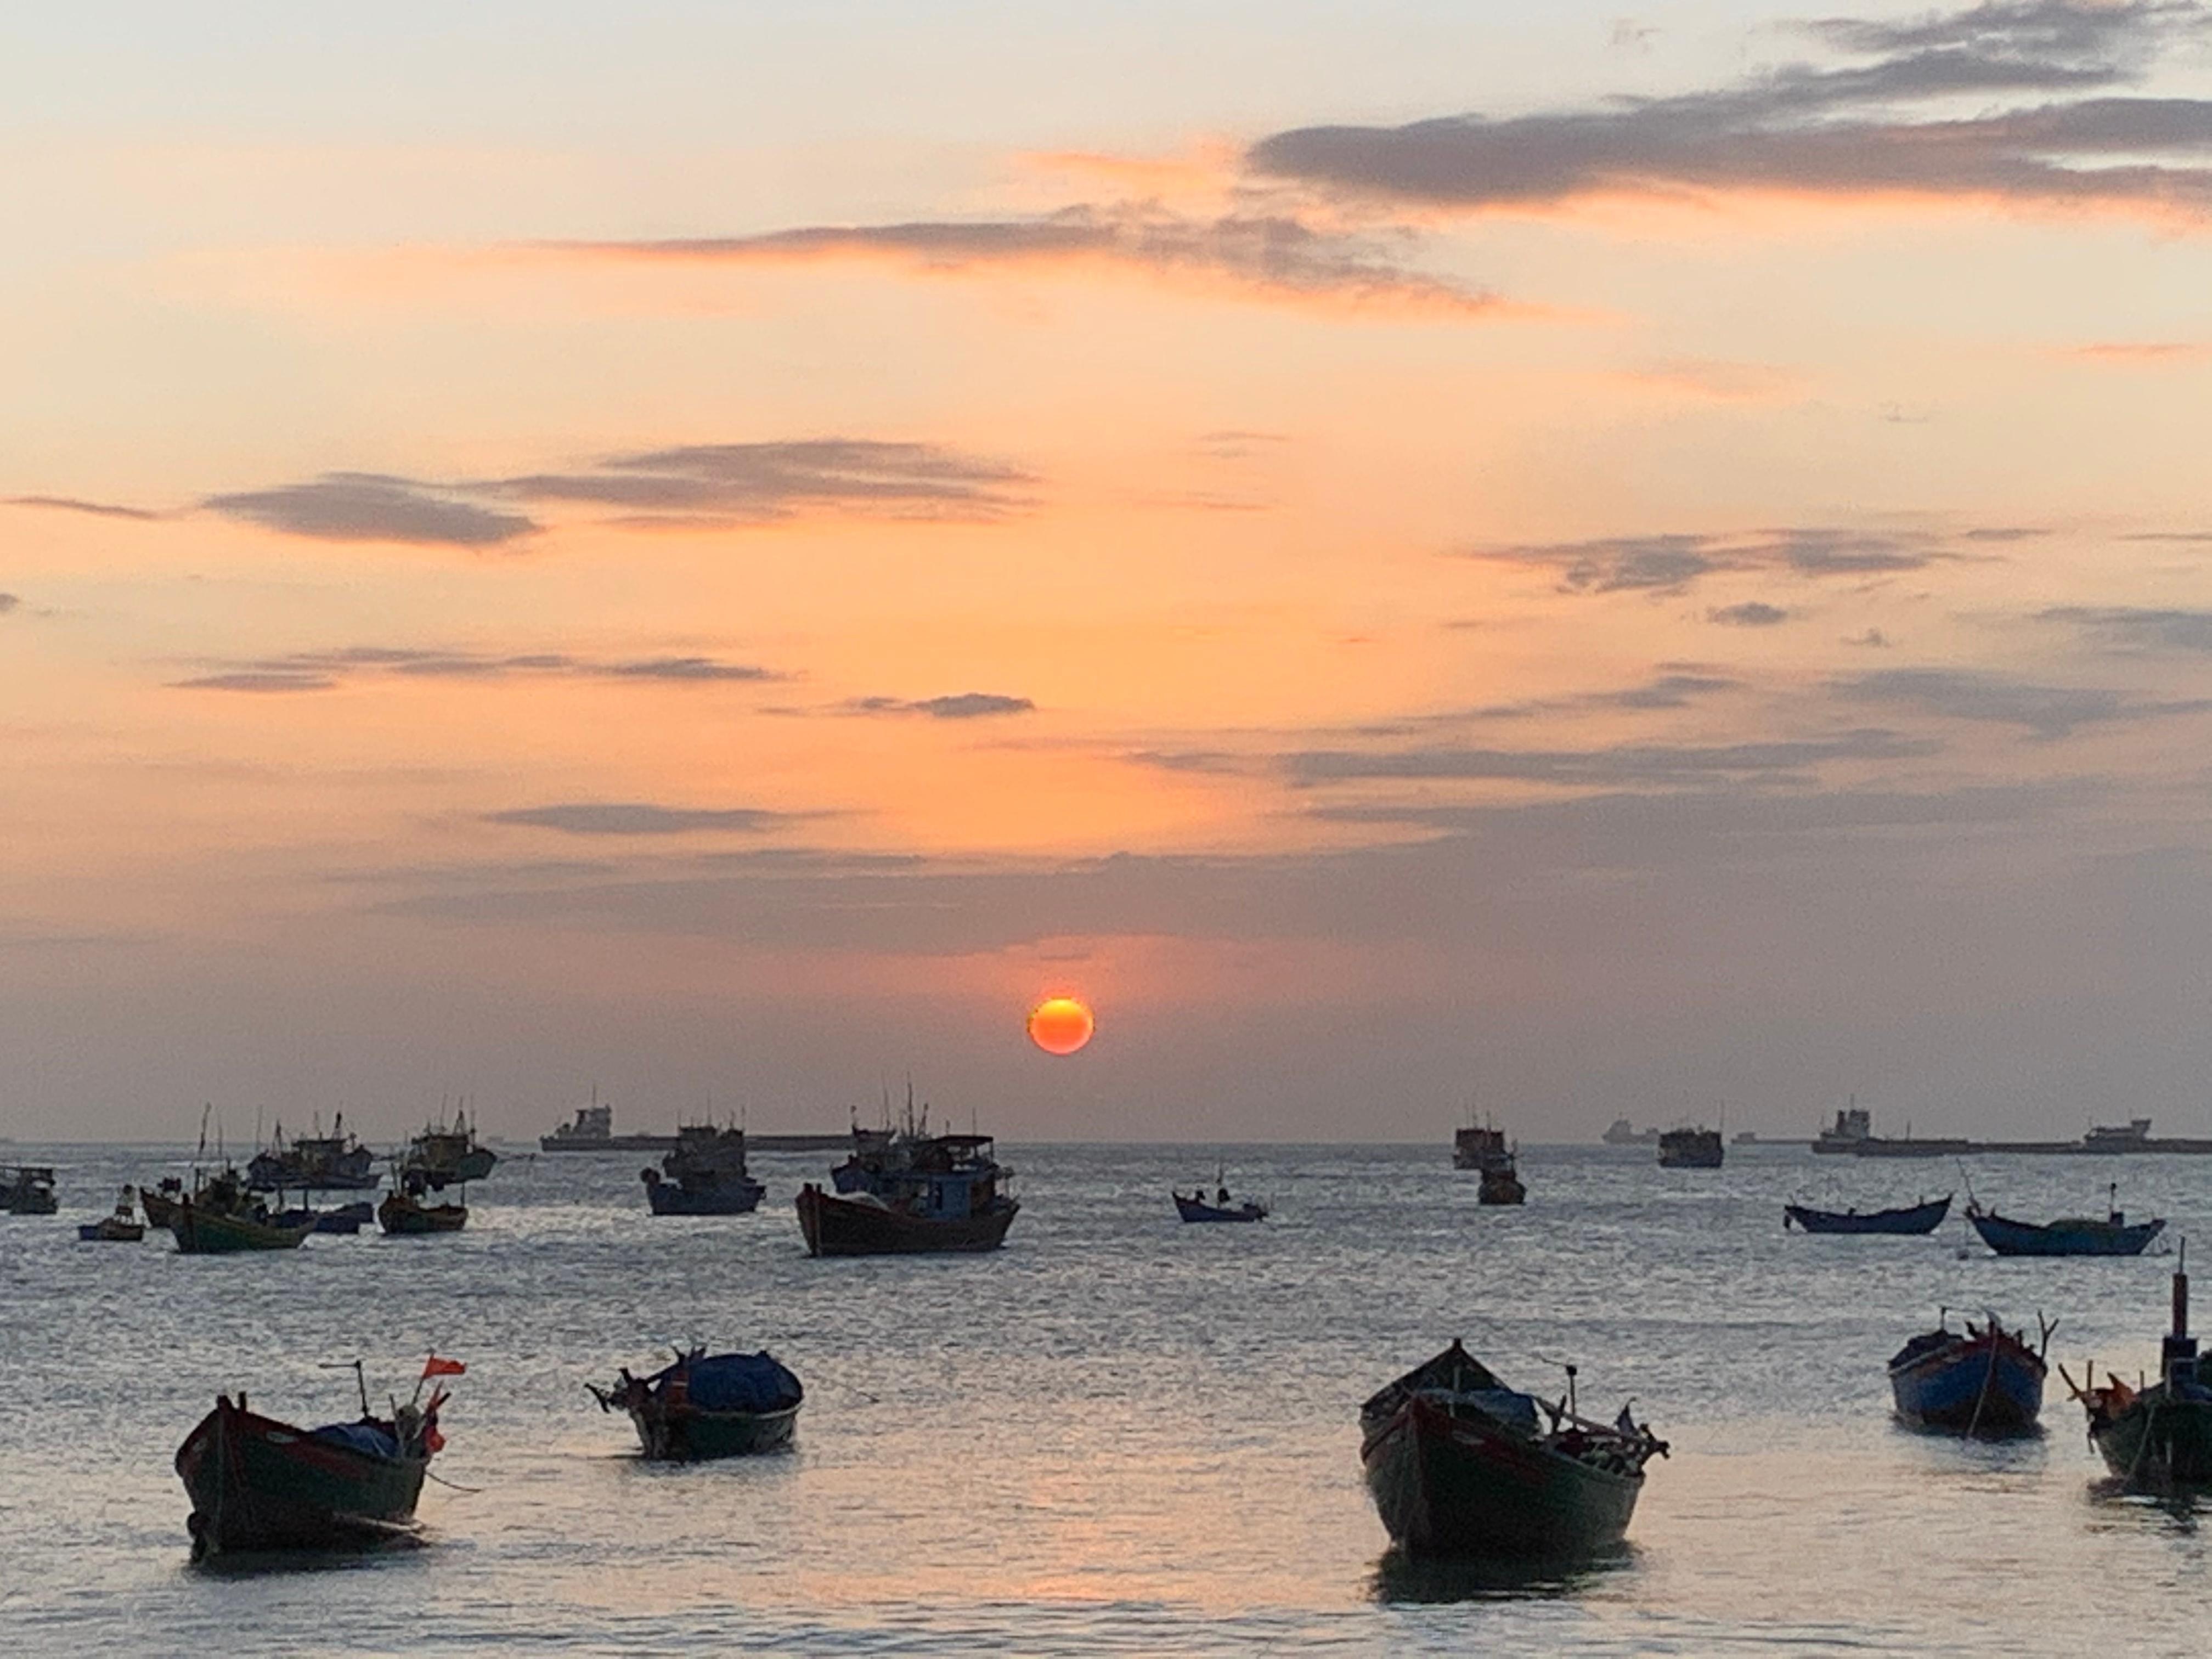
point(75, 504)
point(1887, 124)
point(323, 670)
point(373, 506)
point(638, 819)
point(2131, 628)
point(1612, 766)
point(1668, 563)
point(1275, 255)
point(9, 602)
point(960, 706)
point(690, 486)
point(2046, 711)
point(1751, 613)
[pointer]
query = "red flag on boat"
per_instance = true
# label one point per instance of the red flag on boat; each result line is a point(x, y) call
point(435, 1366)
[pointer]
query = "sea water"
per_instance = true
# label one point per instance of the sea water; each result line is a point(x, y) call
point(1119, 1434)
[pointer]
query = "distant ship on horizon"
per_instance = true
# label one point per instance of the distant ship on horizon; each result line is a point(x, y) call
point(1625, 1133)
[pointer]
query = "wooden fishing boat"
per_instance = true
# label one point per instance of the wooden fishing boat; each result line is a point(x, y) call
point(1459, 1465)
point(441, 1155)
point(260, 1484)
point(1922, 1218)
point(1482, 1148)
point(316, 1163)
point(161, 1202)
point(1195, 1208)
point(1984, 1380)
point(2158, 1439)
point(939, 1194)
point(2071, 1236)
point(1690, 1149)
point(28, 1190)
point(706, 1406)
point(406, 1214)
point(220, 1217)
point(121, 1227)
point(705, 1175)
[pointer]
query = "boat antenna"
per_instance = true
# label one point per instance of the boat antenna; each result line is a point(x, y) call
point(360, 1381)
point(1572, 1412)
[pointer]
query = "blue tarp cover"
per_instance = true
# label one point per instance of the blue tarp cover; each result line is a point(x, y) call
point(741, 1383)
point(1507, 1404)
point(360, 1436)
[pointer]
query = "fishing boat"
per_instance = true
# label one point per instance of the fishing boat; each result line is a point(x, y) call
point(336, 1161)
point(120, 1227)
point(1625, 1133)
point(260, 1484)
point(405, 1211)
point(1922, 1218)
point(940, 1194)
point(27, 1189)
point(1459, 1464)
point(219, 1216)
point(706, 1175)
point(443, 1154)
point(2157, 1439)
point(2070, 1235)
point(161, 1202)
point(1983, 1380)
point(1198, 1208)
point(1690, 1149)
point(703, 1405)
point(1485, 1149)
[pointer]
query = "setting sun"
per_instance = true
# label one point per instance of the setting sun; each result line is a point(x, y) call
point(1060, 1025)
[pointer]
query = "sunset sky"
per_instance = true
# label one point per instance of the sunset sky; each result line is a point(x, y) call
point(1413, 555)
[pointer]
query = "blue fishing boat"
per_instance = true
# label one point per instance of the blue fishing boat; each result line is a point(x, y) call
point(2070, 1235)
point(1196, 1208)
point(1984, 1380)
point(1923, 1217)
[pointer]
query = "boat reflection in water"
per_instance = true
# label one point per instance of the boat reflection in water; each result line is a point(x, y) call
point(1423, 1580)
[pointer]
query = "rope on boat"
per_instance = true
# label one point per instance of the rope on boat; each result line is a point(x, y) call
point(455, 1485)
point(1988, 1376)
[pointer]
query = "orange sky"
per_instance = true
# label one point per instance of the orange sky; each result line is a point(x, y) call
point(1596, 606)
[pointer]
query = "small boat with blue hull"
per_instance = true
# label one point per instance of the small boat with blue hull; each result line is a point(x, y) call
point(1983, 1380)
point(1460, 1464)
point(706, 1406)
point(347, 1218)
point(2071, 1236)
point(1925, 1217)
point(121, 1227)
point(1196, 1207)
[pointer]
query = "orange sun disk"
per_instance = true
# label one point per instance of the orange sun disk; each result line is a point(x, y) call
point(1060, 1025)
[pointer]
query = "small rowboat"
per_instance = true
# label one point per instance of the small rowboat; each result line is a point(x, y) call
point(406, 1214)
point(1197, 1209)
point(123, 1227)
point(1923, 1218)
point(1985, 1380)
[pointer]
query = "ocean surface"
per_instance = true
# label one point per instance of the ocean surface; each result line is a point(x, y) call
point(1117, 1435)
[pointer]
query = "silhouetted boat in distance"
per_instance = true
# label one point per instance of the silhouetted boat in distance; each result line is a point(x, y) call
point(2069, 1236)
point(1625, 1133)
point(219, 1216)
point(2158, 1439)
point(724, 1404)
point(1922, 1218)
point(1459, 1464)
point(29, 1190)
point(1198, 1208)
point(706, 1175)
point(1984, 1380)
point(335, 1162)
point(1690, 1149)
point(407, 1212)
point(121, 1226)
point(441, 1155)
point(347, 1218)
point(1482, 1148)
